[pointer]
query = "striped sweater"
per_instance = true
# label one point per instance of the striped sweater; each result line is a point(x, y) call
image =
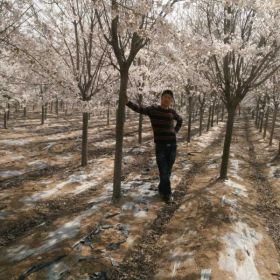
point(162, 121)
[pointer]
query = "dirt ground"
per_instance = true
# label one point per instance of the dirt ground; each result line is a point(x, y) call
point(58, 221)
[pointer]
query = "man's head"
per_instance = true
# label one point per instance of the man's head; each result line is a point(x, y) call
point(167, 98)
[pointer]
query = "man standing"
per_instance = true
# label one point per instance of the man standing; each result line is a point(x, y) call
point(162, 119)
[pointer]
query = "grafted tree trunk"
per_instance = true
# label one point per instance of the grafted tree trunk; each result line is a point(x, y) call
point(43, 114)
point(5, 119)
point(84, 158)
point(257, 112)
point(140, 121)
point(227, 143)
point(46, 111)
point(119, 134)
point(201, 112)
point(213, 112)
point(217, 113)
point(108, 114)
point(189, 119)
point(209, 117)
point(56, 106)
point(273, 125)
point(8, 112)
point(266, 122)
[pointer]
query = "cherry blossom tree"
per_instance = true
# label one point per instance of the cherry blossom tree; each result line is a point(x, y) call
point(241, 42)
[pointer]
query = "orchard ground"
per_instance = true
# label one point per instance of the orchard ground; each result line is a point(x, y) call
point(58, 221)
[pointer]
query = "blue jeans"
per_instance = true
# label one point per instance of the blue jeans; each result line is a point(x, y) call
point(165, 157)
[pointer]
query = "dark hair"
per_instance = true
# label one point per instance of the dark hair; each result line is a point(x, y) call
point(169, 92)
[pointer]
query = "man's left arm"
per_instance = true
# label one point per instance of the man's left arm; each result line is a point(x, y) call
point(179, 120)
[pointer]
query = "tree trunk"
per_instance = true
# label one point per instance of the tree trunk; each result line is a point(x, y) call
point(189, 120)
point(213, 112)
point(217, 113)
point(266, 122)
point(261, 121)
point(273, 125)
point(8, 113)
point(108, 114)
point(201, 111)
point(56, 106)
point(84, 156)
point(209, 117)
point(119, 135)
point(257, 113)
point(24, 112)
point(46, 111)
point(140, 121)
point(5, 119)
point(43, 114)
point(227, 143)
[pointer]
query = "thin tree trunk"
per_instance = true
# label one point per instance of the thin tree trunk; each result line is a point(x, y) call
point(257, 113)
point(189, 120)
point(227, 143)
point(217, 113)
point(201, 111)
point(119, 135)
point(273, 125)
point(84, 155)
point(209, 117)
point(43, 114)
point(5, 119)
point(46, 110)
point(213, 112)
point(8, 112)
point(24, 112)
point(266, 122)
point(56, 106)
point(140, 121)
point(261, 121)
point(108, 114)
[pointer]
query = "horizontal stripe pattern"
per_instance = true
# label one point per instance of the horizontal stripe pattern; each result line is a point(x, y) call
point(162, 121)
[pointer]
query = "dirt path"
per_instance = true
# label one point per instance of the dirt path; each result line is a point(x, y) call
point(60, 222)
point(213, 225)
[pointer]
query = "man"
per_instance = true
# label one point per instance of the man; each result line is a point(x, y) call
point(162, 119)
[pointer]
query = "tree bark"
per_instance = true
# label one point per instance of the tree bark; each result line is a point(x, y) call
point(227, 143)
point(108, 114)
point(266, 122)
point(56, 106)
point(5, 120)
point(84, 155)
point(140, 121)
point(8, 113)
point(189, 119)
point(201, 112)
point(43, 114)
point(46, 111)
point(213, 112)
point(119, 135)
point(209, 117)
point(24, 112)
point(273, 125)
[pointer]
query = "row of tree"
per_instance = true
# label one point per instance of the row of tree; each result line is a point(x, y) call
point(88, 50)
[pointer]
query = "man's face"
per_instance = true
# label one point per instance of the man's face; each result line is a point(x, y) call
point(166, 100)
